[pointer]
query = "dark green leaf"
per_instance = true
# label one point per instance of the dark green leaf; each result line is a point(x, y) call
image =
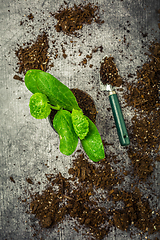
point(92, 143)
point(80, 123)
point(62, 123)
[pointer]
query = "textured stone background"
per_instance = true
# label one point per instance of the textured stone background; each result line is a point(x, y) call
point(28, 144)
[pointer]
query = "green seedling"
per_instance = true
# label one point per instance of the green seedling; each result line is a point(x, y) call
point(39, 106)
point(69, 122)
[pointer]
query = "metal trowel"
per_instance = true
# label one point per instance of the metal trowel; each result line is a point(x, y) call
point(117, 113)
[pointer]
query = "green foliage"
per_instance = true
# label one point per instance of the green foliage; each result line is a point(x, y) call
point(39, 107)
point(80, 123)
point(62, 123)
point(92, 143)
point(30, 80)
point(57, 93)
point(49, 92)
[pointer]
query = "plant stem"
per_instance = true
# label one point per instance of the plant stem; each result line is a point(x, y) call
point(55, 107)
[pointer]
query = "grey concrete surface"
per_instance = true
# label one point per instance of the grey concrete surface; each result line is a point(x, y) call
point(27, 144)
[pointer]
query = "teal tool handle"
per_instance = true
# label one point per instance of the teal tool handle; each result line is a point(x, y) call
point(119, 120)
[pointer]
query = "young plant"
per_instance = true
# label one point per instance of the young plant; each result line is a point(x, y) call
point(69, 122)
point(39, 106)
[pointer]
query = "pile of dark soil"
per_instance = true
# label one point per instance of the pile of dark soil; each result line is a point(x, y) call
point(146, 131)
point(144, 95)
point(72, 19)
point(136, 211)
point(34, 55)
point(76, 197)
point(109, 72)
point(142, 163)
point(104, 176)
point(51, 207)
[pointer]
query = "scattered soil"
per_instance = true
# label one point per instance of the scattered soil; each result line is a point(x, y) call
point(12, 179)
point(144, 94)
point(64, 52)
point(16, 77)
point(51, 206)
point(75, 197)
point(83, 172)
point(30, 16)
point(29, 180)
point(70, 20)
point(109, 72)
point(89, 56)
point(144, 97)
point(136, 211)
point(146, 131)
point(26, 20)
point(34, 56)
point(85, 102)
point(142, 163)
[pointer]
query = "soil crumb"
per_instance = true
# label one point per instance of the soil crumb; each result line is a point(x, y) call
point(12, 179)
point(29, 180)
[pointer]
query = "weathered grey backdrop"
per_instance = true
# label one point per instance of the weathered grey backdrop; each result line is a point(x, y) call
point(28, 144)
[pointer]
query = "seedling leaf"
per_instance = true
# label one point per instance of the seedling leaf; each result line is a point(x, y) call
point(39, 107)
point(92, 143)
point(62, 123)
point(80, 123)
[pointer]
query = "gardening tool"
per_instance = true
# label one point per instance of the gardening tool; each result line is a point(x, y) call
point(117, 113)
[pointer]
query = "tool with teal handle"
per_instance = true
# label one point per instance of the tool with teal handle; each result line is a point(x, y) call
point(117, 113)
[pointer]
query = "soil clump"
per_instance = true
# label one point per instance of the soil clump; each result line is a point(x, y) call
point(144, 94)
point(33, 56)
point(109, 72)
point(70, 20)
